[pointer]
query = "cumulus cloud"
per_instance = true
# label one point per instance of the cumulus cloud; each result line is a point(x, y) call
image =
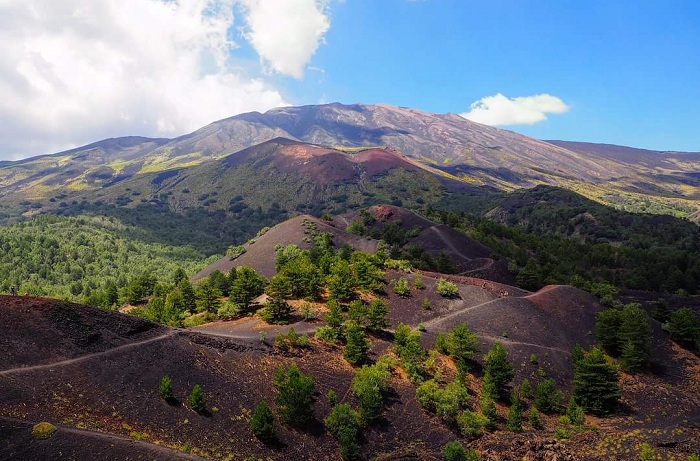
point(500, 110)
point(285, 33)
point(76, 71)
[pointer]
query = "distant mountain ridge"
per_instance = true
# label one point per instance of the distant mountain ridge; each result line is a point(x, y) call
point(477, 155)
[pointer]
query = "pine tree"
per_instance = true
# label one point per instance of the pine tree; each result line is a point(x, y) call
point(595, 385)
point(376, 314)
point(208, 297)
point(548, 398)
point(296, 396)
point(188, 295)
point(262, 423)
point(488, 409)
point(356, 346)
point(498, 371)
point(607, 327)
point(515, 413)
point(166, 388)
point(535, 421)
point(635, 338)
point(461, 343)
point(344, 424)
point(197, 401)
point(575, 413)
point(334, 318)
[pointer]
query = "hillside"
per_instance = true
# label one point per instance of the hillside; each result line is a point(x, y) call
point(94, 391)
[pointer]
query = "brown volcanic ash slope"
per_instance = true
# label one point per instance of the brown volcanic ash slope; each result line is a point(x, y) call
point(44, 331)
point(548, 323)
point(117, 392)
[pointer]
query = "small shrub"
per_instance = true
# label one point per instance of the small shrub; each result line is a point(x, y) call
point(229, 311)
point(332, 398)
point(197, 401)
point(535, 421)
point(418, 283)
point(235, 251)
point(426, 304)
point(292, 340)
point(447, 289)
point(533, 359)
point(327, 334)
point(402, 288)
point(526, 388)
point(471, 424)
point(43, 431)
point(166, 388)
point(262, 423)
point(454, 451)
point(307, 312)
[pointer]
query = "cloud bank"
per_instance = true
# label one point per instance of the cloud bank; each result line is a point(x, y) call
point(75, 71)
point(499, 110)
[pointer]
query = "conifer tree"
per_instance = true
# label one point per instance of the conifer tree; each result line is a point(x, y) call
point(356, 346)
point(595, 386)
point(197, 401)
point(498, 371)
point(262, 422)
point(296, 396)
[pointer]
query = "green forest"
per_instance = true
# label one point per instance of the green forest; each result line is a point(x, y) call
point(71, 258)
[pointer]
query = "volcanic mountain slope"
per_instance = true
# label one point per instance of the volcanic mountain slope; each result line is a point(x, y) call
point(479, 155)
point(293, 175)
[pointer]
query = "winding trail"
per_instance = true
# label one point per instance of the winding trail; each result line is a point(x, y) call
point(438, 320)
point(488, 263)
point(112, 439)
point(510, 341)
point(88, 356)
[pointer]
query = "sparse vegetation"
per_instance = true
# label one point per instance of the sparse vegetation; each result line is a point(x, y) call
point(43, 430)
point(262, 423)
point(198, 402)
point(166, 388)
point(295, 396)
point(447, 289)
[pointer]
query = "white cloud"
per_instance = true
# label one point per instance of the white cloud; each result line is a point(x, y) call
point(499, 110)
point(286, 33)
point(76, 71)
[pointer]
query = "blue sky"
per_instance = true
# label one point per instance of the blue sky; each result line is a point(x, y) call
point(630, 71)
point(77, 71)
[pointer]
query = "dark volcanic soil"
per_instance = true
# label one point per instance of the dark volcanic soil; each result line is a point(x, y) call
point(112, 387)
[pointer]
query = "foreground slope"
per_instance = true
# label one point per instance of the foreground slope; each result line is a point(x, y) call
point(115, 391)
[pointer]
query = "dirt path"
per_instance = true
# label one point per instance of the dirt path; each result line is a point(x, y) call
point(510, 341)
point(448, 243)
point(488, 265)
point(438, 320)
point(88, 356)
point(111, 439)
point(247, 329)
